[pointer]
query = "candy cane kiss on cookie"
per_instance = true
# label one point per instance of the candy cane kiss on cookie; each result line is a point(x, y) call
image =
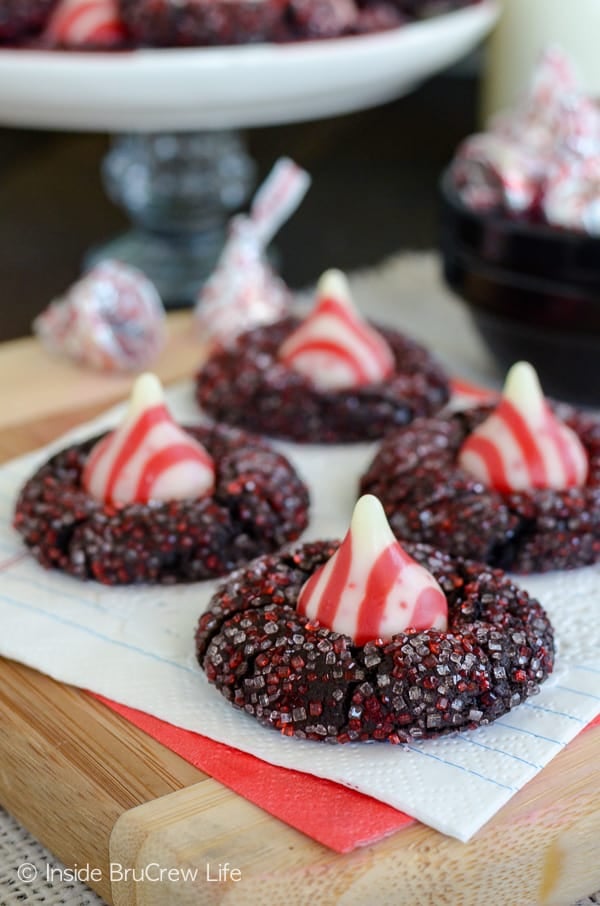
point(371, 588)
point(148, 457)
point(522, 445)
point(334, 347)
point(86, 23)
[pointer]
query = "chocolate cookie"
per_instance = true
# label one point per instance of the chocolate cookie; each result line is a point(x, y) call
point(307, 681)
point(428, 497)
point(246, 385)
point(259, 503)
point(21, 18)
point(179, 23)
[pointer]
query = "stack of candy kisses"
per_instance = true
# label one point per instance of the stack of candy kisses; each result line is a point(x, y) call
point(540, 161)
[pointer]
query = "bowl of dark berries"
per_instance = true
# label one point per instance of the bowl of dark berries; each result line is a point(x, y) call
point(520, 233)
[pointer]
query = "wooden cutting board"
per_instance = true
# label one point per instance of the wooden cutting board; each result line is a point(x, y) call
point(98, 791)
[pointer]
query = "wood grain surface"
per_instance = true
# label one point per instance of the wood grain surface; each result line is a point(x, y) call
point(43, 386)
point(95, 789)
point(540, 850)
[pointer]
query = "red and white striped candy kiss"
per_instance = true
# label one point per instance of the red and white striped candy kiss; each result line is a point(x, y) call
point(522, 445)
point(334, 347)
point(370, 588)
point(86, 23)
point(148, 457)
point(243, 290)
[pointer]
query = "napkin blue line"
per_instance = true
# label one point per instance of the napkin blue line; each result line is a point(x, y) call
point(71, 596)
point(584, 667)
point(552, 711)
point(532, 764)
point(73, 625)
point(579, 692)
point(500, 723)
point(460, 767)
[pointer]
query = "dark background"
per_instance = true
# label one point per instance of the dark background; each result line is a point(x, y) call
point(374, 193)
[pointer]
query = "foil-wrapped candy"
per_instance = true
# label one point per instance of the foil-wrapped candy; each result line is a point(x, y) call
point(572, 196)
point(494, 171)
point(112, 319)
point(544, 147)
point(244, 292)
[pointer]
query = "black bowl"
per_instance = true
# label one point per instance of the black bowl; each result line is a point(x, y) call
point(533, 292)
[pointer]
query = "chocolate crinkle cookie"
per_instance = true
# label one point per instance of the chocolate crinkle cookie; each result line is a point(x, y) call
point(258, 504)
point(20, 18)
point(246, 385)
point(173, 23)
point(428, 497)
point(310, 682)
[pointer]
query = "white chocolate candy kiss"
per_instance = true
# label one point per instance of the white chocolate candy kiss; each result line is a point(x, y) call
point(522, 445)
point(371, 588)
point(334, 347)
point(81, 23)
point(148, 457)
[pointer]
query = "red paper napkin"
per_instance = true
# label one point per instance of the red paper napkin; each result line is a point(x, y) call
point(301, 800)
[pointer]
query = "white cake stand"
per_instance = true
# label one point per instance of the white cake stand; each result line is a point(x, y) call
point(178, 164)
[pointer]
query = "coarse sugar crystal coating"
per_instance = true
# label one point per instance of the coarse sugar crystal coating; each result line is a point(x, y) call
point(19, 18)
point(258, 504)
point(223, 22)
point(428, 497)
point(182, 23)
point(312, 683)
point(248, 386)
point(115, 24)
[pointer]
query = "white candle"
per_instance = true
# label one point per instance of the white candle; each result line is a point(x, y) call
point(525, 28)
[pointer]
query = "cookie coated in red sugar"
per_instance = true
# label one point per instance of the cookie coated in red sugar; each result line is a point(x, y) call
point(191, 23)
point(258, 504)
point(197, 22)
point(307, 681)
point(248, 386)
point(428, 497)
point(20, 18)
point(183, 23)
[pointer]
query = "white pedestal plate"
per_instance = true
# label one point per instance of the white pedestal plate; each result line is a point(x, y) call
point(178, 164)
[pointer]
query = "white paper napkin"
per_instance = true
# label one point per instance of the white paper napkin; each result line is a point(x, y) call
point(136, 646)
